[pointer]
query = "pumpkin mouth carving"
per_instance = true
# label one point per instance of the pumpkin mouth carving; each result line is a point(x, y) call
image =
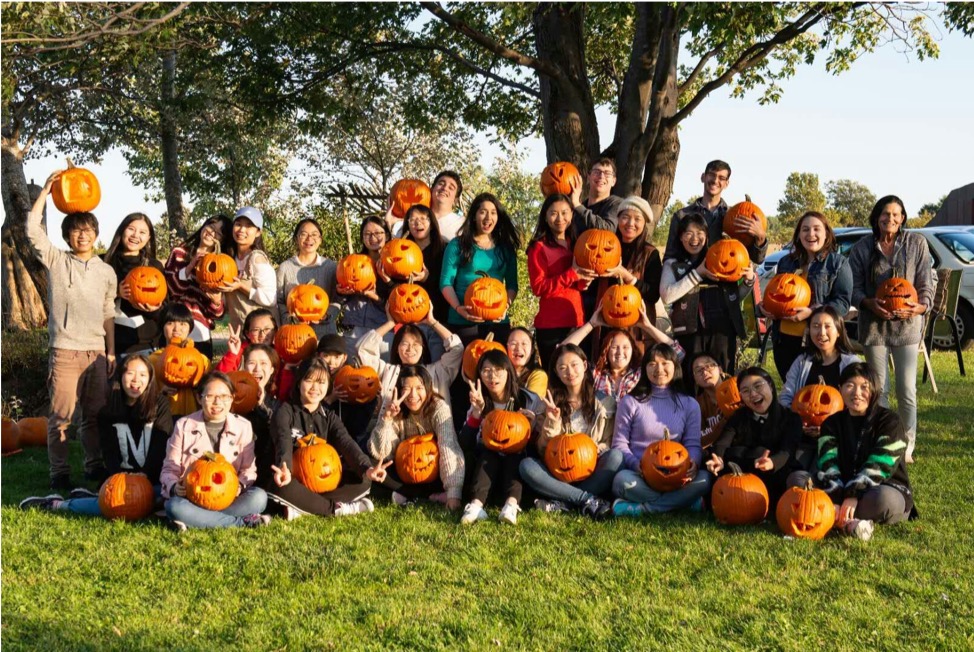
point(666, 470)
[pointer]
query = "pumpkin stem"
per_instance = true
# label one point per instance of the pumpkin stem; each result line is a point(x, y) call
point(735, 469)
point(70, 162)
point(209, 456)
point(747, 198)
point(821, 380)
point(666, 433)
point(490, 337)
point(809, 485)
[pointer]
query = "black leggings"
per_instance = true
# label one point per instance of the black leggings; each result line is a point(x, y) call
point(352, 488)
point(490, 467)
point(548, 341)
point(720, 346)
point(410, 491)
point(786, 350)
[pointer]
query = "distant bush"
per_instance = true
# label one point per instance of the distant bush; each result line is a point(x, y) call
point(23, 366)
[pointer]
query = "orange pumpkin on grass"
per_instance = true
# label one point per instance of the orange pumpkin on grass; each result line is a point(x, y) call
point(11, 436)
point(805, 512)
point(739, 498)
point(126, 496)
point(33, 432)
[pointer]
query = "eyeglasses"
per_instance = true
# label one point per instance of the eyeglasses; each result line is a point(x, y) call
point(260, 331)
point(217, 398)
point(704, 368)
point(309, 236)
point(420, 219)
point(374, 235)
point(608, 174)
point(86, 231)
point(492, 373)
point(753, 389)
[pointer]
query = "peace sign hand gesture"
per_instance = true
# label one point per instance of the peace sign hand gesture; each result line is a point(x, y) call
point(552, 411)
point(234, 344)
point(393, 409)
point(378, 473)
point(477, 402)
point(282, 475)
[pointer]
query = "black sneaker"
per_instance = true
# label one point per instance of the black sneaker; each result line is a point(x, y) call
point(81, 492)
point(597, 509)
point(49, 503)
point(62, 483)
point(98, 475)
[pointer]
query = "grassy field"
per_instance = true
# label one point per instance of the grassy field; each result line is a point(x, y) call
point(414, 579)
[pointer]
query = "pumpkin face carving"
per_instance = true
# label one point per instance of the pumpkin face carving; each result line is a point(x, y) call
point(897, 294)
point(307, 303)
point(126, 496)
point(215, 270)
point(401, 258)
point(406, 193)
point(807, 513)
point(148, 286)
point(355, 273)
point(816, 403)
point(558, 178)
point(361, 384)
point(598, 250)
point(727, 259)
point(486, 298)
point(665, 464)
point(743, 209)
point(471, 354)
point(505, 431)
point(246, 392)
point(181, 364)
point(409, 303)
point(212, 482)
point(317, 465)
point(571, 457)
point(739, 498)
point(295, 342)
point(620, 305)
point(418, 459)
point(76, 190)
point(785, 294)
point(728, 397)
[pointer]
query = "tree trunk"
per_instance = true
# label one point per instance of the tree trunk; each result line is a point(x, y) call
point(172, 181)
point(661, 170)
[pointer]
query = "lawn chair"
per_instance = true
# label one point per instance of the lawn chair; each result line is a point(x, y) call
point(941, 320)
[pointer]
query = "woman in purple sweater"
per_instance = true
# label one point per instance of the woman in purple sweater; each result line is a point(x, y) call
point(655, 403)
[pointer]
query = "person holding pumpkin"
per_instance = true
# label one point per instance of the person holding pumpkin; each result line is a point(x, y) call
point(657, 409)
point(707, 374)
point(600, 209)
point(307, 267)
point(262, 362)
point(137, 307)
point(893, 326)
point(177, 323)
point(213, 429)
point(423, 229)
point(366, 311)
point(206, 307)
point(522, 351)
point(256, 282)
point(359, 418)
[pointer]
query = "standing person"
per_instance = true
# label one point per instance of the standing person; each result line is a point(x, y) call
point(600, 209)
point(892, 251)
point(134, 245)
point(367, 310)
point(815, 256)
point(81, 320)
point(307, 266)
point(444, 193)
point(522, 351)
point(256, 282)
point(206, 307)
point(424, 230)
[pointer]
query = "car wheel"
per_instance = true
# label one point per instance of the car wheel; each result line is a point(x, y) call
point(965, 328)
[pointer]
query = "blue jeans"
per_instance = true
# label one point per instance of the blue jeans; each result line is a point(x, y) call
point(89, 506)
point(252, 501)
point(630, 486)
point(905, 362)
point(537, 476)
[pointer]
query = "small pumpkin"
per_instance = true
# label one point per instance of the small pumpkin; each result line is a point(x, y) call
point(785, 294)
point(418, 459)
point(295, 342)
point(505, 431)
point(805, 512)
point(401, 259)
point(558, 177)
point(728, 397)
point(147, 285)
point(33, 432)
point(739, 498)
point(744, 209)
point(665, 464)
point(816, 403)
point(316, 464)
point(897, 294)
point(620, 305)
point(406, 193)
point(307, 302)
point(571, 457)
point(598, 250)
point(355, 274)
point(126, 496)
point(486, 298)
point(246, 392)
point(212, 482)
point(409, 303)
point(76, 191)
point(727, 259)
point(181, 364)
point(11, 436)
point(471, 354)
point(214, 271)
point(361, 384)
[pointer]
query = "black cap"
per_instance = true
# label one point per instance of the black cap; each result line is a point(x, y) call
point(332, 344)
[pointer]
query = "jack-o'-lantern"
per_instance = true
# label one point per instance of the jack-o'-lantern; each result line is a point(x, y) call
point(246, 392)
point(471, 354)
point(805, 512)
point(295, 342)
point(360, 384)
point(816, 403)
point(558, 177)
point(665, 464)
point(401, 258)
point(744, 209)
point(505, 431)
point(486, 298)
point(214, 271)
point(418, 459)
point(181, 364)
point(355, 274)
point(739, 498)
point(727, 259)
point(126, 496)
point(785, 294)
point(11, 436)
point(212, 482)
point(307, 303)
point(76, 190)
point(571, 457)
point(598, 250)
point(409, 303)
point(147, 285)
point(317, 465)
point(897, 294)
point(620, 305)
point(728, 397)
point(406, 193)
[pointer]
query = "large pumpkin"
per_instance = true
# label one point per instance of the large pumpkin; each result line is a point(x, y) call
point(76, 190)
point(598, 250)
point(571, 457)
point(307, 303)
point(33, 432)
point(317, 465)
point(471, 354)
point(147, 285)
point(246, 392)
point(897, 294)
point(728, 397)
point(743, 209)
point(739, 498)
point(295, 342)
point(401, 258)
point(213, 271)
point(126, 496)
point(407, 193)
point(620, 305)
point(665, 464)
point(486, 298)
point(418, 459)
point(181, 364)
point(558, 177)
point(361, 384)
point(816, 403)
point(11, 436)
point(355, 273)
point(805, 512)
point(505, 431)
point(785, 294)
point(727, 259)
point(212, 482)
point(409, 303)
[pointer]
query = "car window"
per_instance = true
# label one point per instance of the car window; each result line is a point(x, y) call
point(959, 244)
point(847, 242)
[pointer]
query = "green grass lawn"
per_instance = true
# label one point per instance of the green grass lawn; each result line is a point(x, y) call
point(415, 579)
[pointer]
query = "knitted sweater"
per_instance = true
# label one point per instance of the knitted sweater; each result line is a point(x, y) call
point(184, 289)
point(640, 423)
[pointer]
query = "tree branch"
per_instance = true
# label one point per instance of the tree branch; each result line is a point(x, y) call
point(692, 77)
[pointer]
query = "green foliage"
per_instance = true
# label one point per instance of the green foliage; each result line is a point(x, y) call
point(850, 202)
point(933, 207)
point(24, 370)
point(802, 193)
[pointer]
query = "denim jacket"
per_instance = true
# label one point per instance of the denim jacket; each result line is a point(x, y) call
point(830, 279)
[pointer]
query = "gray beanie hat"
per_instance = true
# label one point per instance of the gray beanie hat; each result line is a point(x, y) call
point(641, 205)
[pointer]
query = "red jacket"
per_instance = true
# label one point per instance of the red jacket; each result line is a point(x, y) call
point(557, 285)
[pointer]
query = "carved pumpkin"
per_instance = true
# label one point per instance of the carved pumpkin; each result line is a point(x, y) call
point(806, 513)
point(181, 364)
point(486, 298)
point(598, 250)
point(728, 397)
point(11, 436)
point(418, 459)
point(727, 259)
point(620, 305)
point(355, 273)
point(76, 190)
point(307, 303)
point(897, 294)
point(471, 354)
point(246, 392)
point(406, 193)
point(571, 457)
point(743, 209)
point(785, 294)
point(361, 384)
point(214, 271)
point(295, 342)
point(147, 285)
point(409, 303)
point(212, 482)
point(558, 178)
point(317, 465)
point(33, 432)
point(126, 496)
point(505, 431)
point(665, 464)
point(816, 403)
point(739, 498)
point(401, 258)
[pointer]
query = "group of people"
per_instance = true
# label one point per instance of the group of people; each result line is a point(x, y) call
point(625, 388)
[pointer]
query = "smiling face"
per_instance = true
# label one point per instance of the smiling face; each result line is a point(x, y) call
point(419, 225)
point(82, 239)
point(410, 349)
point(694, 239)
point(824, 333)
point(756, 394)
point(519, 349)
point(571, 370)
point(601, 178)
point(619, 353)
point(134, 237)
point(211, 235)
point(891, 219)
point(413, 392)
point(812, 234)
point(175, 329)
point(856, 394)
point(373, 237)
point(314, 388)
point(245, 232)
point(714, 182)
point(259, 364)
point(261, 330)
point(485, 218)
point(135, 379)
point(632, 223)
point(216, 399)
point(445, 193)
point(660, 371)
point(559, 218)
point(307, 239)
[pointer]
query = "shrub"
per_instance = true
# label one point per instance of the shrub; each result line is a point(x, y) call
point(24, 369)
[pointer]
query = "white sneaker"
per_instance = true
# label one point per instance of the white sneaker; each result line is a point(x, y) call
point(509, 513)
point(292, 513)
point(361, 506)
point(860, 529)
point(550, 505)
point(401, 500)
point(472, 513)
